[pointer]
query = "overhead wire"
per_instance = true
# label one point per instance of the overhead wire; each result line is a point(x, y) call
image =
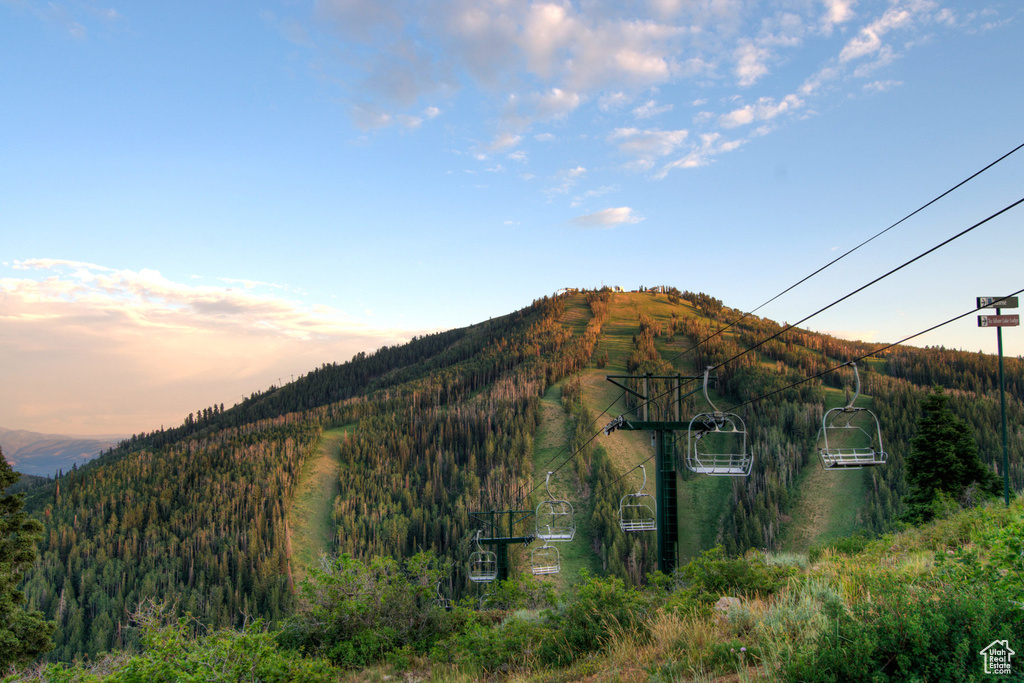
point(813, 377)
point(861, 288)
point(863, 356)
point(819, 311)
point(572, 455)
point(844, 255)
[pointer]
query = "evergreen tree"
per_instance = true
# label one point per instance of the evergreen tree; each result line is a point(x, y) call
point(23, 635)
point(943, 459)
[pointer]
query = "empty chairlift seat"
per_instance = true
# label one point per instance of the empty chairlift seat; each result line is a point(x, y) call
point(638, 511)
point(483, 564)
point(716, 442)
point(545, 560)
point(850, 437)
point(555, 520)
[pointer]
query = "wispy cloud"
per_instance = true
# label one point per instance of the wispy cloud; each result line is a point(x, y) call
point(608, 218)
point(137, 347)
point(645, 147)
point(150, 300)
point(544, 62)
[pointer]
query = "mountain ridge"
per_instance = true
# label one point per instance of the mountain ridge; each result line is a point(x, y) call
point(449, 424)
point(45, 454)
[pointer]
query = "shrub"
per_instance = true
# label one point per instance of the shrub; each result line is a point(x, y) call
point(905, 632)
point(713, 574)
point(594, 611)
point(170, 655)
point(357, 612)
point(850, 545)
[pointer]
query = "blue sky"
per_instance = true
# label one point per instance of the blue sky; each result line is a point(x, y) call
point(199, 199)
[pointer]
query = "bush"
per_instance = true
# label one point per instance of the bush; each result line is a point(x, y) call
point(596, 610)
point(515, 644)
point(170, 655)
point(850, 545)
point(906, 632)
point(712, 575)
point(357, 612)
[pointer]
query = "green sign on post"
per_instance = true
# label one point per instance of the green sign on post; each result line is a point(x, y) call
point(999, 322)
point(997, 302)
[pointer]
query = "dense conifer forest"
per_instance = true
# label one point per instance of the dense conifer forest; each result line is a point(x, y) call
point(197, 516)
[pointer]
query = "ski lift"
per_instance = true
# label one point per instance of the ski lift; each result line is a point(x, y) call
point(850, 438)
point(555, 520)
point(716, 443)
point(637, 510)
point(440, 601)
point(483, 564)
point(545, 560)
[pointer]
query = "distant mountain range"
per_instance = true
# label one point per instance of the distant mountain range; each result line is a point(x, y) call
point(44, 454)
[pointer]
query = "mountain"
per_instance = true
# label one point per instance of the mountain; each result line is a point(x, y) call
point(409, 448)
point(44, 454)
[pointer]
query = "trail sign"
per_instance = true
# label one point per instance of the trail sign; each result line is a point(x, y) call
point(998, 320)
point(997, 302)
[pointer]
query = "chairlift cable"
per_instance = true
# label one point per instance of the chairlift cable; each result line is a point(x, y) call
point(876, 280)
point(841, 257)
point(825, 308)
point(861, 289)
point(862, 357)
point(813, 377)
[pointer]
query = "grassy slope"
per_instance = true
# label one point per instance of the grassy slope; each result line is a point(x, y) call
point(827, 502)
point(309, 520)
point(702, 500)
point(549, 453)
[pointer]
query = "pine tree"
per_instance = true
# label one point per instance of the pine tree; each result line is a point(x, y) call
point(943, 459)
point(23, 635)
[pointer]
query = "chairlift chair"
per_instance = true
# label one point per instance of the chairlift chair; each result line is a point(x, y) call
point(545, 560)
point(850, 438)
point(716, 442)
point(483, 564)
point(555, 519)
point(440, 601)
point(637, 511)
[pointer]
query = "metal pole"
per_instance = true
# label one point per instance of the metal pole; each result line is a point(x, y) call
point(668, 505)
point(1002, 407)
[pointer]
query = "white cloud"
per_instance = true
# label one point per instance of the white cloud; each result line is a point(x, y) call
point(651, 108)
point(702, 152)
point(881, 86)
point(645, 146)
point(546, 60)
point(556, 103)
point(608, 218)
point(613, 100)
point(566, 179)
point(504, 141)
point(750, 63)
point(153, 301)
point(766, 109)
point(836, 12)
point(869, 40)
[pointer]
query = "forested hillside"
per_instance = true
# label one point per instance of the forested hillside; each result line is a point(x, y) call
point(447, 425)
